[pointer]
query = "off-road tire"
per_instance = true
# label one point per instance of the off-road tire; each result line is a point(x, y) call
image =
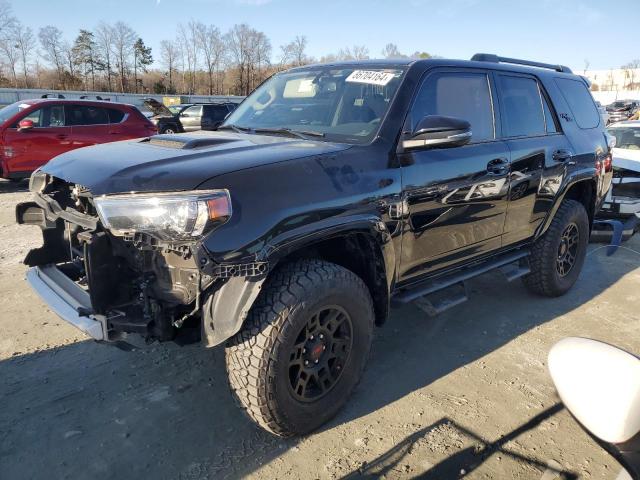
point(544, 278)
point(257, 358)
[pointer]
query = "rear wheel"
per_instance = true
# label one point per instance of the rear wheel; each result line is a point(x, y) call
point(303, 347)
point(557, 258)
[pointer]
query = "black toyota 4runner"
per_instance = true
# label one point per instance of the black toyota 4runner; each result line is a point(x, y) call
point(330, 193)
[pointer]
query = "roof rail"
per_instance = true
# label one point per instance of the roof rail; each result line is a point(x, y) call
point(488, 57)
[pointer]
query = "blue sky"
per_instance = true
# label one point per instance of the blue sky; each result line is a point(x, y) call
point(558, 31)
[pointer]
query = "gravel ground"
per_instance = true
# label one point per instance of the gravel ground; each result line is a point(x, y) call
point(463, 393)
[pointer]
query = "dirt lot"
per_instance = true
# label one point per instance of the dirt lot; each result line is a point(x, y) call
point(466, 392)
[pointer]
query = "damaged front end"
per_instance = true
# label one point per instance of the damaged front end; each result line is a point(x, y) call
point(118, 265)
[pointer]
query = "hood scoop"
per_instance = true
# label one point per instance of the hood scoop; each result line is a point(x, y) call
point(183, 142)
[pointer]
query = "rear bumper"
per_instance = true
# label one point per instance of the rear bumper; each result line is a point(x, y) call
point(68, 300)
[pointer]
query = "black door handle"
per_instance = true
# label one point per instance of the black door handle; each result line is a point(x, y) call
point(562, 155)
point(498, 166)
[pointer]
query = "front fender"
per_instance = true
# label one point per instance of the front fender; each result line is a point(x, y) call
point(226, 309)
point(294, 240)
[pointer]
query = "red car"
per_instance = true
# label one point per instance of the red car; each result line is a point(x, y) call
point(32, 132)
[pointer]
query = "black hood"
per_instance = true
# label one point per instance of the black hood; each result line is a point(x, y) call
point(176, 162)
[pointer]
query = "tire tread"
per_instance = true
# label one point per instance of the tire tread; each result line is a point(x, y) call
point(249, 353)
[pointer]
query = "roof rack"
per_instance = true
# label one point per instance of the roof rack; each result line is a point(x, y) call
point(97, 97)
point(488, 57)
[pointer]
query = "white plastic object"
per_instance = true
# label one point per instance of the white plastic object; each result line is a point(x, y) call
point(600, 385)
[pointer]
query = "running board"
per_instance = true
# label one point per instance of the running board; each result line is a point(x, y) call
point(439, 294)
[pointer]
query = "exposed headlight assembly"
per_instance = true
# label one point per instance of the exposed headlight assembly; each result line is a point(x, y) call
point(176, 216)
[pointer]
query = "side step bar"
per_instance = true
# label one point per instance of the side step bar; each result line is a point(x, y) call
point(441, 293)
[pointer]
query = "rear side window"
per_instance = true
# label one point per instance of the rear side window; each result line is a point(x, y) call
point(79, 115)
point(216, 113)
point(194, 111)
point(522, 114)
point(115, 116)
point(580, 102)
point(457, 94)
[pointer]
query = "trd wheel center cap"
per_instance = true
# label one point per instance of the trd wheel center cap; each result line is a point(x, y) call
point(316, 351)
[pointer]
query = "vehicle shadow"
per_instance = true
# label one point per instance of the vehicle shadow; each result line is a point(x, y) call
point(466, 460)
point(93, 411)
point(7, 186)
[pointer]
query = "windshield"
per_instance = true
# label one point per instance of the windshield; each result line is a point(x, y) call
point(10, 110)
point(626, 138)
point(339, 104)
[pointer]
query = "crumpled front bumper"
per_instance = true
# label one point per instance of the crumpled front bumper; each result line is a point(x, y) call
point(67, 299)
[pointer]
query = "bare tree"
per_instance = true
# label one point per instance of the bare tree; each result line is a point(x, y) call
point(104, 40)
point(188, 38)
point(169, 58)
point(357, 52)
point(25, 43)
point(360, 52)
point(10, 52)
point(53, 50)
point(71, 62)
point(213, 49)
point(238, 41)
point(7, 20)
point(630, 70)
point(293, 52)
point(260, 54)
point(123, 45)
point(391, 51)
point(249, 51)
point(586, 65)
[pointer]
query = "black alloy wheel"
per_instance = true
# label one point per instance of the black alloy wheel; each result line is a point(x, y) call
point(321, 351)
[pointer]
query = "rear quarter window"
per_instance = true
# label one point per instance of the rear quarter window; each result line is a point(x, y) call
point(115, 116)
point(580, 102)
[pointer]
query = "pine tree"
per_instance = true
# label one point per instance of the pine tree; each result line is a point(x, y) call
point(142, 59)
point(85, 54)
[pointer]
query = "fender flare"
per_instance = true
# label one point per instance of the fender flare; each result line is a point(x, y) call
point(586, 175)
point(226, 309)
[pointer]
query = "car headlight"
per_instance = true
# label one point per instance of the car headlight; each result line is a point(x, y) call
point(172, 216)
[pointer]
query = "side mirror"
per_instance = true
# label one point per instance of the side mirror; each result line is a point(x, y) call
point(25, 125)
point(436, 131)
point(184, 114)
point(600, 385)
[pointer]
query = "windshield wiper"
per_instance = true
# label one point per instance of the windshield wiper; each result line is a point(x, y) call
point(235, 128)
point(288, 131)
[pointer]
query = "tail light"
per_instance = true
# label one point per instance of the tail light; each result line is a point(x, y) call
point(607, 164)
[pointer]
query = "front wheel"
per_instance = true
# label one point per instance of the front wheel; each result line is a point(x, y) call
point(303, 347)
point(168, 130)
point(557, 258)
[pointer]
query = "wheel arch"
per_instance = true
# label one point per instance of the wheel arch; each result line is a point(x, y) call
point(361, 252)
point(582, 190)
point(351, 242)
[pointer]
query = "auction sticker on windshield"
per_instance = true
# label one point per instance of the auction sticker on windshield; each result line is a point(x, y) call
point(370, 77)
